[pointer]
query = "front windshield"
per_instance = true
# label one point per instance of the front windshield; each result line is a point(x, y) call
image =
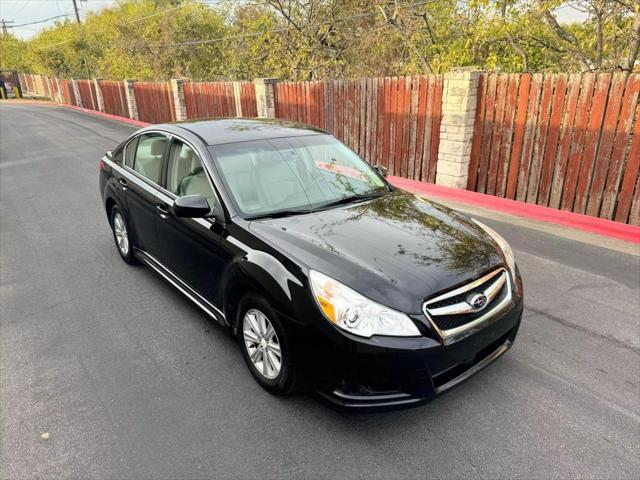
point(293, 174)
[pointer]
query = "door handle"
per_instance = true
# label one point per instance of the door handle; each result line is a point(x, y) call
point(123, 183)
point(162, 210)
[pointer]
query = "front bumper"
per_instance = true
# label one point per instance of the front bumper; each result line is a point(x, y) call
point(398, 373)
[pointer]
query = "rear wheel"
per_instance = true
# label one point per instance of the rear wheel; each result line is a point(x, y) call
point(265, 346)
point(121, 235)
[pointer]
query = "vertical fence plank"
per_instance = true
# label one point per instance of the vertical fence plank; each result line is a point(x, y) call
point(564, 142)
point(518, 135)
point(592, 140)
point(507, 133)
point(631, 174)
point(477, 133)
point(436, 113)
point(603, 155)
point(622, 139)
point(529, 136)
point(485, 150)
point(577, 141)
point(498, 127)
point(541, 138)
point(553, 134)
point(422, 171)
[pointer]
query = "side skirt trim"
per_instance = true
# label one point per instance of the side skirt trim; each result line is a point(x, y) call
point(179, 284)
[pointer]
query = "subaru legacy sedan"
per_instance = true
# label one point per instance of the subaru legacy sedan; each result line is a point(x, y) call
point(328, 275)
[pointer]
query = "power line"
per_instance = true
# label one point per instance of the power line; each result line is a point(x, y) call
point(37, 21)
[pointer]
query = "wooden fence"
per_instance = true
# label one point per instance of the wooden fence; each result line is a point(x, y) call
point(218, 99)
point(569, 142)
point(114, 97)
point(154, 101)
point(563, 141)
point(391, 121)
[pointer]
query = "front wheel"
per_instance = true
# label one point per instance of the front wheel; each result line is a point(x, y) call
point(265, 346)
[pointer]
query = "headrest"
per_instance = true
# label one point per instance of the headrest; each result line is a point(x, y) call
point(157, 147)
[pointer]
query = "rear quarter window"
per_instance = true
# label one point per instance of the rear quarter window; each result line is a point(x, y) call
point(117, 155)
point(130, 152)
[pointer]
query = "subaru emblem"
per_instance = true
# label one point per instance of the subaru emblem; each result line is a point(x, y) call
point(477, 300)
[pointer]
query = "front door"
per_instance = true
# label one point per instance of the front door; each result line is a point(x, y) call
point(190, 247)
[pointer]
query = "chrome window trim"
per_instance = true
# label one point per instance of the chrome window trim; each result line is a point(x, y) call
point(454, 334)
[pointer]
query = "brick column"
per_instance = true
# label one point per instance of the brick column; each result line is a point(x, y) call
point(265, 97)
point(177, 88)
point(132, 106)
point(96, 83)
point(76, 92)
point(459, 96)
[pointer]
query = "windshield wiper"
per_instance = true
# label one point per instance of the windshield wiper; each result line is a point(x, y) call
point(351, 199)
point(280, 213)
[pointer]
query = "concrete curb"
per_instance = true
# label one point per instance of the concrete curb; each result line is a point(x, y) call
point(600, 226)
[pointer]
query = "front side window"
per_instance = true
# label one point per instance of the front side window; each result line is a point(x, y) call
point(297, 173)
point(148, 160)
point(186, 174)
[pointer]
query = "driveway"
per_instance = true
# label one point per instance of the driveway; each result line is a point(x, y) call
point(129, 380)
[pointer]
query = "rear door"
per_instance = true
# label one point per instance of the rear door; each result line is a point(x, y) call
point(143, 161)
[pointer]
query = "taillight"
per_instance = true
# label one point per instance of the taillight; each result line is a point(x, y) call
point(101, 164)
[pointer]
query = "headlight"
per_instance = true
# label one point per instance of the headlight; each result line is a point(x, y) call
point(504, 246)
point(355, 313)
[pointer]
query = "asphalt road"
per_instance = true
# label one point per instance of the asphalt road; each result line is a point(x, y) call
point(131, 381)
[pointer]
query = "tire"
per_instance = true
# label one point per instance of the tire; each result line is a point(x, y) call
point(279, 381)
point(121, 236)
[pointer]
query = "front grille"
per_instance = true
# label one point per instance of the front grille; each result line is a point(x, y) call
point(462, 296)
point(451, 312)
point(447, 322)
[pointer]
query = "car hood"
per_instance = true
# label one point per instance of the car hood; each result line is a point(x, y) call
point(397, 250)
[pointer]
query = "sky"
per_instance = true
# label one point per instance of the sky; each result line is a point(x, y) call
point(25, 11)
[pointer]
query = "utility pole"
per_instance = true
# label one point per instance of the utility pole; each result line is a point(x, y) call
point(75, 7)
point(5, 30)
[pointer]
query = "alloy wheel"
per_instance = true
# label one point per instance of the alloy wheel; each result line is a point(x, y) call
point(120, 231)
point(262, 344)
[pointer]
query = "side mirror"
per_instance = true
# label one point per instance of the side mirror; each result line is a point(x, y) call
point(381, 169)
point(191, 206)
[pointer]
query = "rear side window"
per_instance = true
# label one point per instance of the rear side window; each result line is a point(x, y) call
point(130, 152)
point(149, 151)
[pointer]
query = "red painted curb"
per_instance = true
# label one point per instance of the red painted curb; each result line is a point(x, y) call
point(607, 228)
point(137, 123)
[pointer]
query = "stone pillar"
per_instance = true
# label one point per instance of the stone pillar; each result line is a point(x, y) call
point(236, 97)
point(96, 83)
point(265, 97)
point(459, 97)
point(76, 92)
point(132, 106)
point(60, 97)
point(177, 88)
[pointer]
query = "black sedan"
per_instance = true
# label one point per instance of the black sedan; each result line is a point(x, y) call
point(327, 274)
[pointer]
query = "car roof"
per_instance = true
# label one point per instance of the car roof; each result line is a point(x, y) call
point(219, 131)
